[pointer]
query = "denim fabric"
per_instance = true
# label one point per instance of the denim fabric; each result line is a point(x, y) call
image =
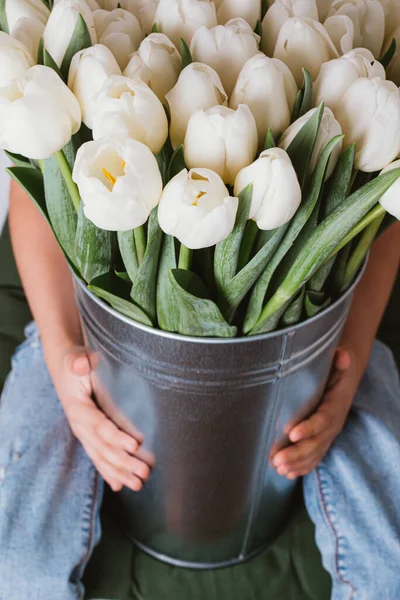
point(50, 492)
point(353, 495)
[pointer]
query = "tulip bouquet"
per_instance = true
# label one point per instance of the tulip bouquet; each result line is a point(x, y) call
point(210, 168)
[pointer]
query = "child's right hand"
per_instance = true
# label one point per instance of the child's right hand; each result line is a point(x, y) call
point(111, 450)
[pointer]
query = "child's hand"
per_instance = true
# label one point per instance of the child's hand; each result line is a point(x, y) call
point(111, 450)
point(313, 437)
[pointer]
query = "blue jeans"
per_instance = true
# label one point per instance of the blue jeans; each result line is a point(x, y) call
point(50, 493)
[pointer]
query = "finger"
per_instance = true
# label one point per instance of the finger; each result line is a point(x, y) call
point(300, 466)
point(315, 425)
point(114, 483)
point(343, 360)
point(113, 475)
point(116, 438)
point(300, 451)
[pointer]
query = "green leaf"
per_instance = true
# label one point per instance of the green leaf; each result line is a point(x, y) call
point(258, 31)
point(144, 286)
point(323, 242)
point(264, 8)
point(185, 52)
point(127, 247)
point(292, 314)
point(79, 41)
point(292, 230)
point(340, 180)
point(318, 280)
point(227, 252)
point(60, 208)
point(269, 140)
point(39, 59)
point(31, 181)
point(163, 159)
point(3, 17)
point(154, 29)
point(177, 163)
point(126, 308)
point(48, 61)
point(20, 161)
point(244, 280)
point(390, 52)
point(297, 106)
point(314, 302)
point(301, 148)
point(306, 103)
point(93, 248)
point(198, 316)
point(167, 307)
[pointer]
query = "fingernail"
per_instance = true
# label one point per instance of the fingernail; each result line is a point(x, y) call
point(282, 470)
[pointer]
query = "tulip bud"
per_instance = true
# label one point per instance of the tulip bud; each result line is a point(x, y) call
point(147, 11)
point(120, 31)
point(196, 208)
point(225, 48)
point(109, 5)
point(278, 13)
point(221, 139)
point(89, 69)
point(336, 76)
point(198, 87)
point(29, 32)
point(157, 63)
point(92, 4)
point(61, 26)
point(340, 29)
point(369, 114)
point(368, 18)
point(15, 10)
point(250, 11)
point(119, 183)
point(127, 108)
point(181, 18)
point(304, 43)
point(267, 86)
point(276, 190)
point(390, 200)
point(392, 18)
point(328, 129)
point(15, 59)
point(38, 114)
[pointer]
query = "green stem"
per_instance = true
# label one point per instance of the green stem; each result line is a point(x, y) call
point(373, 214)
point(361, 251)
point(185, 258)
point(67, 176)
point(249, 236)
point(140, 243)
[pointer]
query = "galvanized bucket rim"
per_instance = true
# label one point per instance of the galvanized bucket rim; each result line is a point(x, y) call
point(214, 340)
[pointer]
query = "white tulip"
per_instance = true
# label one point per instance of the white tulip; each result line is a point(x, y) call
point(92, 4)
point(250, 11)
point(127, 108)
point(278, 13)
point(267, 86)
point(368, 18)
point(38, 114)
point(225, 48)
point(336, 76)
point(61, 26)
point(323, 7)
point(119, 183)
point(29, 32)
point(392, 17)
point(181, 18)
point(147, 11)
point(14, 10)
point(340, 29)
point(328, 129)
point(157, 63)
point(198, 87)
point(15, 59)
point(276, 189)
point(369, 114)
point(390, 200)
point(120, 31)
point(89, 69)
point(196, 208)
point(130, 5)
point(393, 70)
point(304, 43)
point(221, 139)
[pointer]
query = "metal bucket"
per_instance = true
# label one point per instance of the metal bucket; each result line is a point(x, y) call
point(209, 411)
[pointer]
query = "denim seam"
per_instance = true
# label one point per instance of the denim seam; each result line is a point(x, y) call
point(340, 571)
point(92, 524)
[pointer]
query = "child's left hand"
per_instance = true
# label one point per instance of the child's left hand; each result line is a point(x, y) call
point(313, 437)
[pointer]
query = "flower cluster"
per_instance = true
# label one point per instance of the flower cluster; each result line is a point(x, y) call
point(235, 128)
